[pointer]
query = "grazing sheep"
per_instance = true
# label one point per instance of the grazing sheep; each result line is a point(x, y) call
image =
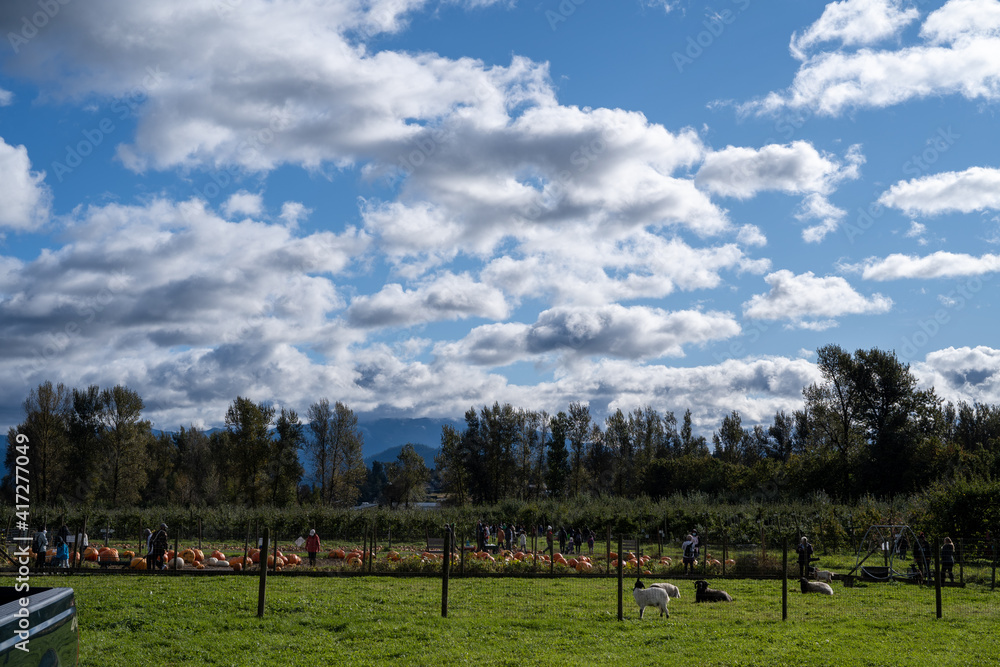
point(705, 594)
point(815, 587)
point(653, 596)
point(671, 590)
point(823, 575)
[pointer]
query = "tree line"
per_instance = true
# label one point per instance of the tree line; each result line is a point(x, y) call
point(92, 446)
point(864, 429)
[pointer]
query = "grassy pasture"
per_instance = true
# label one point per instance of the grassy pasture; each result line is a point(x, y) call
point(178, 620)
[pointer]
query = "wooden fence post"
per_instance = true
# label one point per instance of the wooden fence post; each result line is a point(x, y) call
point(961, 561)
point(262, 588)
point(784, 580)
point(444, 571)
point(621, 611)
point(274, 555)
point(993, 577)
point(937, 578)
point(246, 550)
point(79, 543)
point(608, 554)
point(199, 533)
point(725, 552)
point(173, 561)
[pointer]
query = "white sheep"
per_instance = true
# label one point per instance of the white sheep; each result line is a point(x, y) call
point(672, 591)
point(653, 596)
point(815, 587)
point(824, 575)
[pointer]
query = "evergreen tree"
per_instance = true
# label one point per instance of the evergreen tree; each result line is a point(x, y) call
point(284, 469)
point(558, 470)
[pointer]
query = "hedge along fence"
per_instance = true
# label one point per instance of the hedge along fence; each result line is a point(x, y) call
point(832, 527)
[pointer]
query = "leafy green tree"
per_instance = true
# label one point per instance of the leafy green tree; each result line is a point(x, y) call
point(579, 430)
point(196, 473)
point(499, 431)
point(452, 466)
point(320, 416)
point(164, 486)
point(337, 452)
point(248, 447)
point(782, 436)
point(125, 438)
point(408, 477)
point(375, 483)
point(46, 414)
point(85, 435)
point(558, 471)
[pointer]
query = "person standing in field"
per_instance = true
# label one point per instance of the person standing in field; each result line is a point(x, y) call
point(805, 551)
point(548, 539)
point(923, 549)
point(312, 546)
point(948, 560)
point(687, 554)
point(590, 541)
point(157, 548)
point(39, 545)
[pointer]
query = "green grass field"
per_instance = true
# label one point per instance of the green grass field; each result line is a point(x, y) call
point(211, 620)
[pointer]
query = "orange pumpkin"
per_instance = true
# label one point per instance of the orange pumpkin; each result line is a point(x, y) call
point(199, 555)
point(187, 555)
point(219, 555)
point(138, 564)
point(237, 567)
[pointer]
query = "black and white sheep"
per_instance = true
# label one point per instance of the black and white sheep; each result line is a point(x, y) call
point(653, 596)
point(705, 594)
point(815, 587)
point(671, 590)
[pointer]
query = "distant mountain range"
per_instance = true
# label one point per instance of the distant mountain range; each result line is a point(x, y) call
point(384, 439)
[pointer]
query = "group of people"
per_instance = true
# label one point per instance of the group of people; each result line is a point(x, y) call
point(156, 547)
point(40, 545)
point(506, 536)
point(572, 539)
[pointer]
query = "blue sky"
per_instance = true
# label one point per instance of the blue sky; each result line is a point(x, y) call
point(417, 207)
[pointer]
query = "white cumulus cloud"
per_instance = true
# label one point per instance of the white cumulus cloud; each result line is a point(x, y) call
point(26, 198)
point(811, 302)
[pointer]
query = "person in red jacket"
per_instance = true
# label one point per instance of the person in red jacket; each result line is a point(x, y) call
point(312, 546)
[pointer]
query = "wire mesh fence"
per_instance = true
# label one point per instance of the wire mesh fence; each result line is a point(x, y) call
point(537, 570)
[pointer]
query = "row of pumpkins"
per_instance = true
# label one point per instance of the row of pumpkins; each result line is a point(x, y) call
point(190, 558)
